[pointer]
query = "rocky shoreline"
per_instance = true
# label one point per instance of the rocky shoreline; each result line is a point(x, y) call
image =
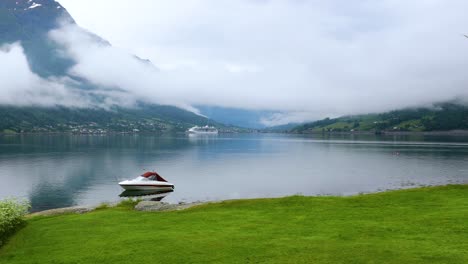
point(146, 206)
point(158, 206)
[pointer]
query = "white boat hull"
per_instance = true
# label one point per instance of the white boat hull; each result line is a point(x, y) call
point(146, 186)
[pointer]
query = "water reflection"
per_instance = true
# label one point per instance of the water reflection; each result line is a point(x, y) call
point(64, 170)
point(146, 195)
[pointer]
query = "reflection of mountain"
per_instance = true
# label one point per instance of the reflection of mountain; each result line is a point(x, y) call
point(65, 168)
point(146, 195)
point(73, 176)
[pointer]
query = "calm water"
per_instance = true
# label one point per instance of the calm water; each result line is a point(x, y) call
point(63, 170)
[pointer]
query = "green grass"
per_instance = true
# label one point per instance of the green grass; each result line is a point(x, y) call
point(412, 125)
point(8, 131)
point(426, 225)
point(334, 126)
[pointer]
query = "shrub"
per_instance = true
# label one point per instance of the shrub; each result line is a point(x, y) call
point(129, 203)
point(102, 206)
point(12, 212)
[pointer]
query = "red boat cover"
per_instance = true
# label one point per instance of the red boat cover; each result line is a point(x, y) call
point(152, 173)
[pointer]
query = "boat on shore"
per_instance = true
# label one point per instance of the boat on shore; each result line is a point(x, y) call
point(205, 130)
point(148, 181)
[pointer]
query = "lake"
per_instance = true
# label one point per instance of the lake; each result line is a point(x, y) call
point(63, 170)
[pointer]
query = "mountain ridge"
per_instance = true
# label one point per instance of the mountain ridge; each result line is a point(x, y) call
point(29, 23)
point(441, 117)
point(156, 119)
point(19, 22)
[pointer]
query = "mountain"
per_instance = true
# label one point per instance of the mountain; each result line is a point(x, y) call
point(88, 120)
point(440, 117)
point(236, 117)
point(29, 23)
point(280, 128)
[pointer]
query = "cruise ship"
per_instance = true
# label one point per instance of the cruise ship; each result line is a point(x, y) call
point(202, 130)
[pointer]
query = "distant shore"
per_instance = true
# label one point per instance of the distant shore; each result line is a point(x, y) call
point(114, 133)
point(391, 133)
point(388, 133)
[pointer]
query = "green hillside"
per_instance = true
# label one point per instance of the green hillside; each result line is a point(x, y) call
point(147, 118)
point(21, 23)
point(442, 117)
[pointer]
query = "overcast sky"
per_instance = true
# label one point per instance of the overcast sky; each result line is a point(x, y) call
point(304, 59)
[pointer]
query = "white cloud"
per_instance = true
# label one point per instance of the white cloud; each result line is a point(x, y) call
point(304, 59)
point(21, 87)
point(236, 68)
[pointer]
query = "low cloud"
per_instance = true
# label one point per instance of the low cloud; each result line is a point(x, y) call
point(303, 59)
point(113, 70)
point(21, 87)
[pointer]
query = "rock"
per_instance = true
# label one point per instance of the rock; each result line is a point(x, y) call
point(148, 206)
point(67, 210)
point(153, 206)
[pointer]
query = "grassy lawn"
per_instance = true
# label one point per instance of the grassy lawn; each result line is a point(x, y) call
point(426, 225)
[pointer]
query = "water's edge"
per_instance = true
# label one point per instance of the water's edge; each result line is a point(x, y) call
point(158, 206)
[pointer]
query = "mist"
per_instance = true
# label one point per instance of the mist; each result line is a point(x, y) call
point(304, 60)
point(19, 86)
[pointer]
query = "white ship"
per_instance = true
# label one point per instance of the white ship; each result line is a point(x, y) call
point(202, 130)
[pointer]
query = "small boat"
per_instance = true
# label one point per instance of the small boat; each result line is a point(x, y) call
point(202, 130)
point(147, 181)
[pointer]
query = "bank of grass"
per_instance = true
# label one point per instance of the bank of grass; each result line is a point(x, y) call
point(12, 212)
point(426, 225)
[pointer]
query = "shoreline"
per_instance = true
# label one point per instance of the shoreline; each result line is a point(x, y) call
point(390, 133)
point(383, 133)
point(164, 206)
point(404, 226)
point(111, 133)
